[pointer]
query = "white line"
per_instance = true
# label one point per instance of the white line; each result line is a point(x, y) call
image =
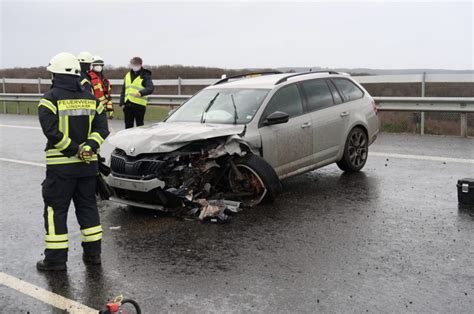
point(22, 162)
point(45, 296)
point(20, 126)
point(422, 157)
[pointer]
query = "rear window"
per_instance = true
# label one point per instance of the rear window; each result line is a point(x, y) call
point(349, 90)
point(318, 94)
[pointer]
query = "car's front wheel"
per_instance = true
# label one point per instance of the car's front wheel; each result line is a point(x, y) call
point(253, 180)
point(355, 151)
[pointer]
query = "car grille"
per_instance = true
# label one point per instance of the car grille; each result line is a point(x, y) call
point(133, 167)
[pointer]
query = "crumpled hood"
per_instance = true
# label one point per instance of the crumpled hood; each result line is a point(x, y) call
point(165, 137)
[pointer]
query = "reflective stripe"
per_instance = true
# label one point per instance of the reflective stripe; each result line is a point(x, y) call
point(100, 108)
point(92, 238)
point(55, 237)
point(84, 81)
point(98, 86)
point(63, 143)
point(78, 112)
point(56, 245)
point(66, 160)
point(96, 137)
point(91, 230)
point(46, 103)
point(51, 229)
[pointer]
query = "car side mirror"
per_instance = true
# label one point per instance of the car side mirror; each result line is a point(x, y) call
point(277, 117)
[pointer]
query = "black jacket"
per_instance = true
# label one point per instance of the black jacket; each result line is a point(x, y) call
point(147, 83)
point(68, 87)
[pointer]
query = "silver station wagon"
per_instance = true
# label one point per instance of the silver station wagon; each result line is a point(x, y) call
point(235, 140)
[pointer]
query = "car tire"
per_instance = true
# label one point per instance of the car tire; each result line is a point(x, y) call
point(265, 172)
point(356, 151)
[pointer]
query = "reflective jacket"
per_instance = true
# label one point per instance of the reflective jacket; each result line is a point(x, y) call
point(69, 117)
point(139, 81)
point(102, 89)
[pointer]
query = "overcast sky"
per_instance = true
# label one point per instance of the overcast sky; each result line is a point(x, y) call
point(236, 34)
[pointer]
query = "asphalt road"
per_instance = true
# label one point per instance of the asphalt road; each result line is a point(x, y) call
point(389, 239)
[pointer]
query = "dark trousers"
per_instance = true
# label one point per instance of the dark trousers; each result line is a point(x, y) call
point(133, 113)
point(58, 192)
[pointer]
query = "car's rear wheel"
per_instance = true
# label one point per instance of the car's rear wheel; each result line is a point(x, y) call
point(356, 151)
point(253, 180)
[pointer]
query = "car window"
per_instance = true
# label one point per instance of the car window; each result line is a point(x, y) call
point(318, 94)
point(226, 105)
point(335, 94)
point(348, 89)
point(287, 100)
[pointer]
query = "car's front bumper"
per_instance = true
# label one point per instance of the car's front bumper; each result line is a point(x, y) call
point(134, 185)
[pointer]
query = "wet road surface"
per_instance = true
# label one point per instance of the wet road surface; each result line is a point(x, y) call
point(389, 239)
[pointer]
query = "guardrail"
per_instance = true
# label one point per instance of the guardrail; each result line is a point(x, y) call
point(462, 105)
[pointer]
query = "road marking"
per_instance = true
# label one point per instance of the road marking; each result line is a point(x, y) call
point(423, 157)
point(45, 296)
point(19, 126)
point(378, 154)
point(22, 162)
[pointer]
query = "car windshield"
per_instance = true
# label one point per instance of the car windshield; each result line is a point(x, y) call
point(227, 106)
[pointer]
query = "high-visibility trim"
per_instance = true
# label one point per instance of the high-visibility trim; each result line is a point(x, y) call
point(66, 160)
point(100, 108)
point(56, 245)
point(56, 237)
point(63, 143)
point(77, 112)
point(85, 81)
point(92, 238)
point(96, 137)
point(98, 87)
point(51, 229)
point(46, 103)
point(91, 230)
point(76, 104)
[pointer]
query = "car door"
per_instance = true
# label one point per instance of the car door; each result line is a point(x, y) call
point(328, 120)
point(287, 146)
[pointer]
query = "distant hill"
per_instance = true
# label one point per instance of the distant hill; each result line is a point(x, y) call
point(377, 71)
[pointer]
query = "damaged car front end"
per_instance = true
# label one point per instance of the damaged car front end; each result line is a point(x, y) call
point(207, 167)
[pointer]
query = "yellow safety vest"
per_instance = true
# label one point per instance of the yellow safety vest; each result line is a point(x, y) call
point(135, 86)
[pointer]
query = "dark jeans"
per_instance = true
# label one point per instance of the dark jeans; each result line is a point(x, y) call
point(133, 113)
point(58, 192)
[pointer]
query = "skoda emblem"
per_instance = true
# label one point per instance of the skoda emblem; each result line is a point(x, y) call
point(132, 150)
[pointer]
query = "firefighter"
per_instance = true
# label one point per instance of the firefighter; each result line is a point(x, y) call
point(137, 85)
point(101, 85)
point(75, 125)
point(85, 59)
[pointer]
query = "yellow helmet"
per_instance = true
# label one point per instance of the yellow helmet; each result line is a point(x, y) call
point(64, 63)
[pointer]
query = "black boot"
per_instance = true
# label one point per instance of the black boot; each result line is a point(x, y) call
point(44, 265)
point(90, 259)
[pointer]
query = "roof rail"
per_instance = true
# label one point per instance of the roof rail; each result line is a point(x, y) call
point(284, 79)
point(247, 75)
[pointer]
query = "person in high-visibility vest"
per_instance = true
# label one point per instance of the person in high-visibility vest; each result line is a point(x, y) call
point(101, 85)
point(136, 87)
point(75, 125)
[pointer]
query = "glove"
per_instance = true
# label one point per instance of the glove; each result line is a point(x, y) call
point(85, 153)
point(137, 94)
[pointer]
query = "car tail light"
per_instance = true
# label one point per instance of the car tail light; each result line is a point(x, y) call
point(374, 106)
